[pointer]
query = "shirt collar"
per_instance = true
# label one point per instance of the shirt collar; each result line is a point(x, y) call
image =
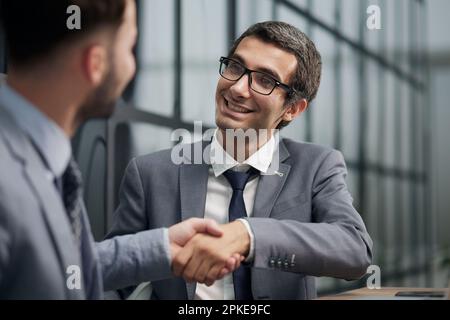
point(221, 161)
point(50, 140)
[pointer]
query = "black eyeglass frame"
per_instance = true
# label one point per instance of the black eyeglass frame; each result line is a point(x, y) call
point(249, 72)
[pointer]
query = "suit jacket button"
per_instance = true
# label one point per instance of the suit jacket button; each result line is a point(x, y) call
point(272, 263)
point(280, 263)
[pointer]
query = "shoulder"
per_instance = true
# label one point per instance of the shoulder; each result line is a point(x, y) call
point(155, 158)
point(14, 193)
point(165, 162)
point(9, 164)
point(310, 151)
point(173, 157)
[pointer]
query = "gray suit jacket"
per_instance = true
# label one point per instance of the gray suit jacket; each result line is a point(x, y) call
point(36, 242)
point(303, 219)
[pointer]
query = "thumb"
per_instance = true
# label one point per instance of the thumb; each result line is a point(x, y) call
point(208, 226)
point(213, 228)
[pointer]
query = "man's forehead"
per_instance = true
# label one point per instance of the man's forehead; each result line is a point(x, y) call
point(264, 56)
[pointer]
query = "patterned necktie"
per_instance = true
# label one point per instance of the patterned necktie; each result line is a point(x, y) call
point(242, 276)
point(73, 201)
point(72, 197)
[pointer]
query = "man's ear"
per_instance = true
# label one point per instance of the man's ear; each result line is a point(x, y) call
point(95, 64)
point(294, 110)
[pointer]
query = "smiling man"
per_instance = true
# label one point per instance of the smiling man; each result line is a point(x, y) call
point(256, 67)
point(291, 223)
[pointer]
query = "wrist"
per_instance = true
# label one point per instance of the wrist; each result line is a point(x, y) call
point(242, 237)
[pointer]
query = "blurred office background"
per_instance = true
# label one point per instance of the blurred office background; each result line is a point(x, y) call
point(383, 102)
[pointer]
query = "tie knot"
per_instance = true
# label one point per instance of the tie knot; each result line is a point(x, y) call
point(237, 179)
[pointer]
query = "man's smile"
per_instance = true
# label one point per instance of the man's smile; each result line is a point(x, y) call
point(233, 107)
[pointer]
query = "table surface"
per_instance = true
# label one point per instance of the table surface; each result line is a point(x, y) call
point(383, 292)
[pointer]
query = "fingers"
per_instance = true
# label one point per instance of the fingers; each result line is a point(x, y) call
point(217, 272)
point(205, 256)
point(181, 260)
point(235, 261)
point(194, 267)
point(202, 271)
point(174, 250)
point(224, 272)
point(214, 274)
point(203, 259)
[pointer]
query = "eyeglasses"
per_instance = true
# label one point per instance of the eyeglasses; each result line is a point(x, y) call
point(258, 81)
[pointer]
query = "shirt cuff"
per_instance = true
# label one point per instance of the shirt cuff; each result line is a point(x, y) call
point(251, 252)
point(166, 243)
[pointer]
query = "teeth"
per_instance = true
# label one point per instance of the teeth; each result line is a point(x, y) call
point(236, 108)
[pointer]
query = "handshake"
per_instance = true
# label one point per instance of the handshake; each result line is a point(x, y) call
point(204, 251)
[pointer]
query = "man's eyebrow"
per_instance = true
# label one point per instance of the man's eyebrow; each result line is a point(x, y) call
point(268, 71)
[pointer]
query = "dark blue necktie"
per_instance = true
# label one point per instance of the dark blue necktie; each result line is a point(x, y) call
point(242, 276)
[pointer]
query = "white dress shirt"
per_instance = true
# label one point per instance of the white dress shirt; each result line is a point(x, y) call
point(218, 197)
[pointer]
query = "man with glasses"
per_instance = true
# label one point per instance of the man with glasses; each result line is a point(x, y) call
point(261, 82)
point(283, 205)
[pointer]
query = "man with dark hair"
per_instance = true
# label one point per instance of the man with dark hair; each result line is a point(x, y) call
point(306, 78)
point(57, 79)
point(284, 205)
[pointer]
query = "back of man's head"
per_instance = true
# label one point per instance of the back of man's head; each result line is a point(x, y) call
point(35, 29)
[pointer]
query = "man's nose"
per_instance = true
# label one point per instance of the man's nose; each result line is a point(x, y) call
point(241, 88)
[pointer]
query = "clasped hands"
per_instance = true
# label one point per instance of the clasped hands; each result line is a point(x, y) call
point(204, 251)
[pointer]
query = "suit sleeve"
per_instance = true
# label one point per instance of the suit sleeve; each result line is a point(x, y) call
point(335, 243)
point(131, 254)
point(5, 244)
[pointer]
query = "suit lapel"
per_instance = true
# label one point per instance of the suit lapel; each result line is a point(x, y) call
point(52, 208)
point(193, 199)
point(55, 218)
point(193, 188)
point(270, 186)
point(193, 185)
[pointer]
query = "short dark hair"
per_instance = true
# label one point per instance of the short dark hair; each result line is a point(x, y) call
point(35, 28)
point(306, 79)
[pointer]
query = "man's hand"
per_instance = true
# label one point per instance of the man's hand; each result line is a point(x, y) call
point(204, 257)
point(181, 233)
